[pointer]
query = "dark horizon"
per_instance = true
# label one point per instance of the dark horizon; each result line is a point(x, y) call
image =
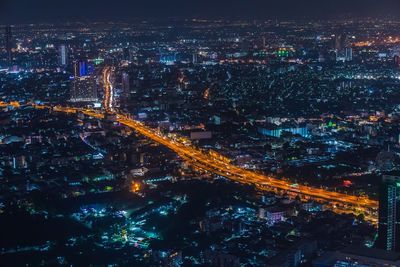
point(53, 11)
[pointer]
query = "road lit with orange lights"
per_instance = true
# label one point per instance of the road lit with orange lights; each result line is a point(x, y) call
point(108, 89)
point(214, 163)
point(219, 166)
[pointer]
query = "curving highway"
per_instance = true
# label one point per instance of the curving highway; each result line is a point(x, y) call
point(217, 164)
point(214, 163)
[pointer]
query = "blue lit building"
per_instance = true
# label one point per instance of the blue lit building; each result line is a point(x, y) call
point(277, 132)
point(82, 69)
point(168, 59)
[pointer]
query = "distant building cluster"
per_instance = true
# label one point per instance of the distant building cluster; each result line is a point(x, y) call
point(306, 104)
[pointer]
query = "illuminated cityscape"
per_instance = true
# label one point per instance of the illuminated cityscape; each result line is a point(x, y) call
point(130, 137)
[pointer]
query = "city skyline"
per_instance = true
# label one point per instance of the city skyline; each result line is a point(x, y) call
point(195, 141)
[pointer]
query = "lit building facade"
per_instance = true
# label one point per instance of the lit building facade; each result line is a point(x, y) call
point(63, 55)
point(389, 214)
point(84, 89)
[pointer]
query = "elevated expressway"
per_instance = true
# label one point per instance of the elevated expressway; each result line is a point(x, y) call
point(219, 165)
point(214, 163)
point(108, 101)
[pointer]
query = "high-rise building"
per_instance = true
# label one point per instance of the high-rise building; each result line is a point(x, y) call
point(84, 89)
point(343, 50)
point(63, 55)
point(344, 54)
point(194, 58)
point(349, 53)
point(340, 41)
point(125, 86)
point(8, 37)
point(389, 214)
point(82, 68)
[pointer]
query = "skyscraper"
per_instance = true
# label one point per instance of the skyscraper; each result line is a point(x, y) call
point(63, 55)
point(389, 214)
point(83, 86)
point(194, 58)
point(84, 89)
point(125, 87)
point(8, 36)
point(340, 41)
point(343, 48)
point(82, 68)
point(349, 53)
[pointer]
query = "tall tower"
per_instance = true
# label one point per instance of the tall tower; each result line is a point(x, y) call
point(125, 87)
point(343, 49)
point(83, 85)
point(82, 68)
point(8, 36)
point(340, 41)
point(349, 53)
point(83, 89)
point(194, 58)
point(389, 214)
point(63, 55)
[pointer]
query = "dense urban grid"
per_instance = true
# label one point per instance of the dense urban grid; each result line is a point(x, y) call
point(200, 142)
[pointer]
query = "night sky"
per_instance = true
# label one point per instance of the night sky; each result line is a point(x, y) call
point(47, 10)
